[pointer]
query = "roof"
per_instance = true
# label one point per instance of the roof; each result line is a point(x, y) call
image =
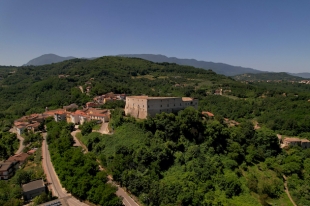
point(305, 140)
point(185, 99)
point(98, 115)
point(30, 152)
point(147, 97)
point(35, 124)
point(5, 165)
point(207, 113)
point(33, 185)
point(78, 112)
point(20, 157)
point(52, 112)
point(292, 139)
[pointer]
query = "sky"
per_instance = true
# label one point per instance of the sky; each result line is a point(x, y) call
point(268, 35)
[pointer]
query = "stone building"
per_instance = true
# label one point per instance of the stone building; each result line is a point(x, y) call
point(143, 106)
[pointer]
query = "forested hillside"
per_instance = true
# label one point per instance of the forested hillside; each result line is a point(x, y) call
point(186, 159)
point(171, 159)
point(267, 76)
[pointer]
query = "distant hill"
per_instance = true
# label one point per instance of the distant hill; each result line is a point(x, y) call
point(219, 68)
point(48, 59)
point(303, 75)
point(272, 76)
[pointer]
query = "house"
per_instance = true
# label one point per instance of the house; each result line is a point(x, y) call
point(218, 92)
point(109, 97)
point(143, 106)
point(33, 189)
point(7, 169)
point(91, 105)
point(293, 141)
point(20, 158)
point(102, 117)
point(34, 126)
point(60, 116)
point(305, 143)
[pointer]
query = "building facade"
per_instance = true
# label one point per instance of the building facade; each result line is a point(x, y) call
point(143, 106)
point(7, 169)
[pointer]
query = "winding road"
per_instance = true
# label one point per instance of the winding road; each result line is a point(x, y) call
point(52, 178)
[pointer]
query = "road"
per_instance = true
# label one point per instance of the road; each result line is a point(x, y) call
point(52, 178)
point(21, 142)
point(104, 128)
point(127, 200)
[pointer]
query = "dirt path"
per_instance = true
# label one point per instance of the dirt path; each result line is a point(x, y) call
point(127, 200)
point(21, 142)
point(81, 88)
point(287, 192)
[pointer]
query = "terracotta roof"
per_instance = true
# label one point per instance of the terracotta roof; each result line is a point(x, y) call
point(185, 99)
point(20, 157)
point(305, 140)
point(35, 124)
point(98, 115)
point(30, 152)
point(52, 112)
point(78, 112)
point(207, 113)
point(292, 139)
point(147, 97)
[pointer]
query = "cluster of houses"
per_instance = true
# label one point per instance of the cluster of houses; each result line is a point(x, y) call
point(102, 99)
point(8, 167)
point(305, 82)
point(81, 116)
point(30, 122)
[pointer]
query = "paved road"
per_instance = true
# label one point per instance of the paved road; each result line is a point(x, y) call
point(52, 178)
point(127, 200)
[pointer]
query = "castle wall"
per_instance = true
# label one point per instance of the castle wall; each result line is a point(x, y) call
point(143, 106)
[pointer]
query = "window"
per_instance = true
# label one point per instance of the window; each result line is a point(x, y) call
point(167, 105)
point(161, 105)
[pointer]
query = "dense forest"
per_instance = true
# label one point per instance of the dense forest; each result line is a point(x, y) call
point(170, 159)
point(79, 173)
point(187, 159)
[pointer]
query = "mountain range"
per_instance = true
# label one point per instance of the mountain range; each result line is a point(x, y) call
point(219, 68)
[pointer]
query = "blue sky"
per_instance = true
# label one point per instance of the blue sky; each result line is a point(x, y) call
point(269, 35)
